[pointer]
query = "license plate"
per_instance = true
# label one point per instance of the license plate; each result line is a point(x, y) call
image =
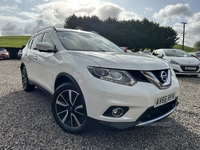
point(163, 100)
point(190, 68)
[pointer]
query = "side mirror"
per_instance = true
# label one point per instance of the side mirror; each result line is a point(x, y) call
point(45, 47)
point(160, 56)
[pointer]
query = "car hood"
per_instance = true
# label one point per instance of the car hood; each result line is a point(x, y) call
point(124, 60)
point(185, 60)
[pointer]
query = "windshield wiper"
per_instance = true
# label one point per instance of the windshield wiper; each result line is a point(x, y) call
point(88, 50)
point(100, 50)
point(96, 50)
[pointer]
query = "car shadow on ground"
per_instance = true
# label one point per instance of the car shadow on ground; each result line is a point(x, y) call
point(27, 123)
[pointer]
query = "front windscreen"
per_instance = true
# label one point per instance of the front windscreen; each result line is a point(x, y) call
point(176, 53)
point(86, 41)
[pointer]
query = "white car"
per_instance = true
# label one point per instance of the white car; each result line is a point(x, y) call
point(90, 78)
point(181, 62)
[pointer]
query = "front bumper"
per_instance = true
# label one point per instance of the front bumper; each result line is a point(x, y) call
point(4, 56)
point(149, 116)
point(100, 95)
point(179, 70)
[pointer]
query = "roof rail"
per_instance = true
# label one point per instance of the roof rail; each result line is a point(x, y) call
point(50, 27)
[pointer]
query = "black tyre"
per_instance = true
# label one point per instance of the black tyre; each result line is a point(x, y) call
point(25, 82)
point(69, 109)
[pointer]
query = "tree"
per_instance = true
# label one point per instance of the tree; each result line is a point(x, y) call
point(197, 46)
point(73, 22)
point(134, 34)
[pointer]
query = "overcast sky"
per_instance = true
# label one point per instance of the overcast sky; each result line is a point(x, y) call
point(25, 17)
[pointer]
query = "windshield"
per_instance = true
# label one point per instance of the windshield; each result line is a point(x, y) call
point(3, 50)
point(83, 41)
point(176, 53)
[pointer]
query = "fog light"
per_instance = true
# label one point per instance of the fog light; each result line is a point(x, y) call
point(117, 112)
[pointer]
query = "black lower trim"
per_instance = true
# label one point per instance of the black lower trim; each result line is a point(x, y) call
point(41, 88)
point(152, 113)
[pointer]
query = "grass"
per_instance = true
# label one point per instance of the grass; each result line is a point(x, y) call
point(13, 41)
point(19, 41)
point(186, 48)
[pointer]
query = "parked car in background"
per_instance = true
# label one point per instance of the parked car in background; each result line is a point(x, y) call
point(19, 54)
point(180, 61)
point(4, 54)
point(92, 79)
point(196, 54)
point(145, 51)
point(125, 49)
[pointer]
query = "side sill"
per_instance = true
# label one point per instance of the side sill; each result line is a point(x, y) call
point(41, 88)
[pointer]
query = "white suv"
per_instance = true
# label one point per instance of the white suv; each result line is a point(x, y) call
point(90, 78)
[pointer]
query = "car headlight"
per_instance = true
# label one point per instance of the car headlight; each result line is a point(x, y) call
point(174, 62)
point(116, 76)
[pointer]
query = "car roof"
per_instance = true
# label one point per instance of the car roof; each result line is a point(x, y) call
point(50, 28)
point(168, 49)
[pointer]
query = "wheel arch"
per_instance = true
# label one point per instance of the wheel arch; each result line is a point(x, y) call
point(22, 65)
point(65, 78)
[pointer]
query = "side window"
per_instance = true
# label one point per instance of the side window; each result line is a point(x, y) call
point(30, 43)
point(36, 39)
point(48, 38)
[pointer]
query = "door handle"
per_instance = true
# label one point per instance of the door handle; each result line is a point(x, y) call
point(35, 57)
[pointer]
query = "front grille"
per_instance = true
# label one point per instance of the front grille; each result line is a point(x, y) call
point(157, 74)
point(186, 68)
point(138, 76)
point(160, 78)
point(152, 113)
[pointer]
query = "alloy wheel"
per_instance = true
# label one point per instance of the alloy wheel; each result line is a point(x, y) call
point(69, 109)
